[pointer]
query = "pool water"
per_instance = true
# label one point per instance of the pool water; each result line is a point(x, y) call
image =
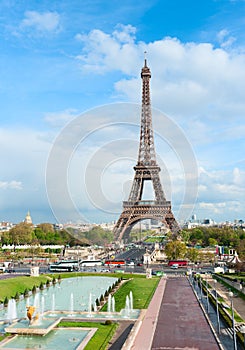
point(58, 339)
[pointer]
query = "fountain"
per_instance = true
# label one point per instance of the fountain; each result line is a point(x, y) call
point(131, 301)
point(113, 304)
point(127, 306)
point(60, 306)
point(71, 304)
point(11, 312)
point(42, 306)
point(90, 305)
point(109, 304)
point(28, 301)
point(53, 304)
point(36, 302)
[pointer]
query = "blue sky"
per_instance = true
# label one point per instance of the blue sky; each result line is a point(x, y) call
point(66, 62)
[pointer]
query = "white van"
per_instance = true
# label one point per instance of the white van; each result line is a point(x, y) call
point(175, 266)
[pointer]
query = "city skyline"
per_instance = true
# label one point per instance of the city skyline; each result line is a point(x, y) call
point(63, 60)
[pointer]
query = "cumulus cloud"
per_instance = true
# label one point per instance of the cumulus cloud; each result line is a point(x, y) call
point(104, 52)
point(41, 22)
point(188, 77)
point(221, 191)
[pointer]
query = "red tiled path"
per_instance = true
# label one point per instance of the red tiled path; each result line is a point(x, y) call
point(180, 322)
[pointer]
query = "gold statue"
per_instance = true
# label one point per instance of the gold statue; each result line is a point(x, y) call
point(30, 312)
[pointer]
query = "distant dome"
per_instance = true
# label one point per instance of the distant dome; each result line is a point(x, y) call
point(28, 219)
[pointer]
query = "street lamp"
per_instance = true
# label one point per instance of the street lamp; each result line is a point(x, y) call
point(233, 321)
point(217, 306)
point(200, 279)
point(207, 295)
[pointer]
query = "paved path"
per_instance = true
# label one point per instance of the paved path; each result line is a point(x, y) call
point(179, 324)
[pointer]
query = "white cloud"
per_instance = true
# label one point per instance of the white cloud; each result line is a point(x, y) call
point(23, 154)
point(188, 78)
point(225, 39)
point(41, 22)
point(60, 118)
point(104, 52)
point(13, 184)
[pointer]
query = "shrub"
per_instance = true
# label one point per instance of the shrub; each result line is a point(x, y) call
point(6, 301)
point(26, 292)
point(101, 298)
point(108, 322)
point(41, 287)
point(54, 280)
point(34, 289)
point(97, 302)
point(17, 296)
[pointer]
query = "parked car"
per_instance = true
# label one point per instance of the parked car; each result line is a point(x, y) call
point(174, 266)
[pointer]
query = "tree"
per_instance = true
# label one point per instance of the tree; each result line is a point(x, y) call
point(192, 254)
point(46, 227)
point(185, 234)
point(97, 235)
point(212, 242)
point(175, 250)
point(21, 234)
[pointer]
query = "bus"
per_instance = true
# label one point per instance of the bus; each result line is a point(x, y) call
point(180, 263)
point(64, 265)
point(92, 263)
point(115, 262)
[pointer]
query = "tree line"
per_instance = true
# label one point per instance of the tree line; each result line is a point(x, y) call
point(45, 234)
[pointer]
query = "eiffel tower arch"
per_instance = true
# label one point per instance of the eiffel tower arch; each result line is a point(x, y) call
point(146, 169)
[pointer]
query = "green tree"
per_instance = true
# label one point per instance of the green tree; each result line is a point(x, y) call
point(212, 242)
point(21, 234)
point(97, 235)
point(46, 227)
point(185, 235)
point(192, 254)
point(175, 250)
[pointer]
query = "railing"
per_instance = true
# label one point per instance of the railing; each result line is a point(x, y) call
point(147, 203)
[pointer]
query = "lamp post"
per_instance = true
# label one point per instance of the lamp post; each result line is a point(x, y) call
point(200, 279)
point(207, 296)
point(217, 305)
point(233, 321)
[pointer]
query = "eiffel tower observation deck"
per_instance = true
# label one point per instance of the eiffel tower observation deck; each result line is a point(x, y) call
point(146, 169)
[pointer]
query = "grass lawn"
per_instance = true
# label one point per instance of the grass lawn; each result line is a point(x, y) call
point(142, 289)
point(100, 338)
point(10, 286)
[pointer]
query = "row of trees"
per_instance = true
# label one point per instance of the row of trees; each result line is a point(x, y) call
point(45, 234)
point(213, 236)
point(176, 250)
point(206, 236)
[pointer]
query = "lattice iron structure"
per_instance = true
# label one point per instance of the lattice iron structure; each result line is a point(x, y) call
point(147, 169)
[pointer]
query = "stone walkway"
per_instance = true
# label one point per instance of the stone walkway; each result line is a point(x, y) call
point(174, 320)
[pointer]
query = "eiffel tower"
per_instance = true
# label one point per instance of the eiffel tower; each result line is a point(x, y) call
point(147, 169)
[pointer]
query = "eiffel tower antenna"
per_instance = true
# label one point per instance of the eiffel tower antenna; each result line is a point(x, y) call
point(146, 169)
